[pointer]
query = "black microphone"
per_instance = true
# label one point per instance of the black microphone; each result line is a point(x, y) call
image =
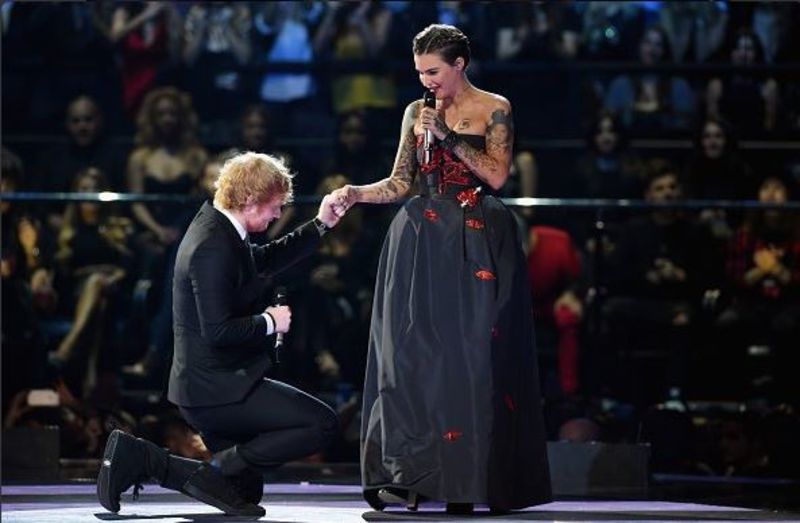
point(429, 100)
point(280, 299)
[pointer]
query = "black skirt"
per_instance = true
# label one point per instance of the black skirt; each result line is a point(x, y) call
point(452, 406)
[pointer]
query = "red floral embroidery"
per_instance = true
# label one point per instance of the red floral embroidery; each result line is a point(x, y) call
point(452, 435)
point(474, 224)
point(468, 197)
point(485, 275)
point(431, 215)
point(453, 170)
point(509, 402)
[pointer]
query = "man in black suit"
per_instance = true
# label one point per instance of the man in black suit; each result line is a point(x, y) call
point(222, 337)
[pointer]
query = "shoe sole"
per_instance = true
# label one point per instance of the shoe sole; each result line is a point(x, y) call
point(214, 502)
point(104, 476)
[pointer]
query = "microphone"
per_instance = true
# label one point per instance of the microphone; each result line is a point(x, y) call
point(429, 100)
point(280, 299)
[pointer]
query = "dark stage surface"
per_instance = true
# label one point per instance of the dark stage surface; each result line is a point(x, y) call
point(312, 502)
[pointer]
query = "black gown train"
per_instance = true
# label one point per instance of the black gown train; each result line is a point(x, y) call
point(451, 406)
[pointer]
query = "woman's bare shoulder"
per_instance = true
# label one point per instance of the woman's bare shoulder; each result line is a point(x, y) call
point(492, 101)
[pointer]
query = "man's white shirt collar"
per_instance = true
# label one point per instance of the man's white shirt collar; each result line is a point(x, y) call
point(239, 227)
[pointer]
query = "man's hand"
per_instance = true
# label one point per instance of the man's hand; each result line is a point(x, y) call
point(282, 315)
point(329, 211)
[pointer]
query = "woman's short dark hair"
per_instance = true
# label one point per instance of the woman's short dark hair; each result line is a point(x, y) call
point(445, 40)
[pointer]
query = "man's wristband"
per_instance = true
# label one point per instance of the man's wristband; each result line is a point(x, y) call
point(321, 227)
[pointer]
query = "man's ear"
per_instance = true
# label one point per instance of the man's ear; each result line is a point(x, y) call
point(248, 204)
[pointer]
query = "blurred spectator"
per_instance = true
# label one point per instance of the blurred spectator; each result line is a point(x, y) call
point(93, 259)
point(156, 359)
point(284, 32)
point(543, 32)
point(522, 182)
point(26, 289)
point(772, 22)
point(660, 267)
point(357, 31)
point(216, 45)
point(696, 30)
point(652, 102)
point(83, 428)
point(608, 169)
point(554, 268)
point(750, 103)
point(256, 133)
point(716, 170)
point(763, 264)
point(87, 146)
point(148, 38)
point(340, 300)
point(207, 185)
point(470, 17)
point(610, 29)
point(167, 160)
point(357, 155)
point(742, 449)
point(42, 41)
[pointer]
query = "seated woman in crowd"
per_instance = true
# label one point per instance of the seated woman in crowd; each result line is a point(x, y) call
point(93, 259)
point(751, 103)
point(652, 102)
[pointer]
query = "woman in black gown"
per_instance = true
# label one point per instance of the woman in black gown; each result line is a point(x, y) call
point(451, 407)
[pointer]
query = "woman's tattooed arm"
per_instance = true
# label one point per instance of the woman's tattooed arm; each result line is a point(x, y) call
point(492, 164)
point(398, 183)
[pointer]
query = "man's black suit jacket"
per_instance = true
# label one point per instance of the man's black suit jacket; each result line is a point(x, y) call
point(219, 293)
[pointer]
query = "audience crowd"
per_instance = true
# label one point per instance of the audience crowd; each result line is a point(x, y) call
point(640, 316)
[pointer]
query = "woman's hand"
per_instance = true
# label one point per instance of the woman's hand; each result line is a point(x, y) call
point(432, 120)
point(344, 198)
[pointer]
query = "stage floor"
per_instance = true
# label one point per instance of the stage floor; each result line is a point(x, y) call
point(320, 503)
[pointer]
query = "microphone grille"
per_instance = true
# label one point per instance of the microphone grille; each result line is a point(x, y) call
point(429, 99)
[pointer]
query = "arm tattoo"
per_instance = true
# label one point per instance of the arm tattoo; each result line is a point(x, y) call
point(500, 132)
point(399, 182)
point(492, 164)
